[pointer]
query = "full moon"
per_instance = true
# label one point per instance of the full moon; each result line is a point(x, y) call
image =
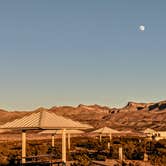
point(141, 27)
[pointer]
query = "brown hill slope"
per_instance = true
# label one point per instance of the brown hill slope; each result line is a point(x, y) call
point(6, 116)
point(136, 116)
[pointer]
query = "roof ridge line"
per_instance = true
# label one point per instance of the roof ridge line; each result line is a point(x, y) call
point(41, 118)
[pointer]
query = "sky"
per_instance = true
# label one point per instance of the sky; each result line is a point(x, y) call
point(55, 53)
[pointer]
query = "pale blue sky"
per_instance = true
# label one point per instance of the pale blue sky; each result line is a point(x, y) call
point(89, 52)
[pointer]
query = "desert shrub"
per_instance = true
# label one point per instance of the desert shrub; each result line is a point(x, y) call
point(113, 153)
point(101, 157)
point(4, 160)
point(82, 160)
point(91, 149)
point(12, 160)
point(157, 152)
point(88, 144)
point(55, 151)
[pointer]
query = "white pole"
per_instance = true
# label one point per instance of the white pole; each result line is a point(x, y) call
point(64, 145)
point(110, 137)
point(100, 137)
point(120, 154)
point(53, 140)
point(109, 145)
point(68, 138)
point(23, 146)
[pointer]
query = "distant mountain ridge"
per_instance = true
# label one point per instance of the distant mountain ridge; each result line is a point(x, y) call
point(134, 116)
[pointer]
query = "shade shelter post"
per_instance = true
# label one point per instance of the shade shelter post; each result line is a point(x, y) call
point(64, 145)
point(53, 140)
point(23, 146)
point(110, 137)
point(100, 137)
point(68, 141)
point(120, 153)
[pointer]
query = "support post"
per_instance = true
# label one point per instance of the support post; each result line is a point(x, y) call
point(100, 137)
point(120, 154)
point(64, 145)
point(53, 140)
point(68, 139)
point(109, 145)
point(23, 146)
point(110, 137)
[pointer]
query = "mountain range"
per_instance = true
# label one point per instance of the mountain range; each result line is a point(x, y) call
point(134, 116)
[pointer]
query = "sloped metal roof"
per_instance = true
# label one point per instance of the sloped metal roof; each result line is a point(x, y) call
point(44, 120)
point(60, 132)
point(105, 130)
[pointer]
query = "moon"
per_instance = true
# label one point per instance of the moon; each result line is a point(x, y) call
point(141, 27)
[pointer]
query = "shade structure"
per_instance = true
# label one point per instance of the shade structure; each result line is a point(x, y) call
point(43, 120)
point(149, 131)
point(105, 130)
point(68, 132)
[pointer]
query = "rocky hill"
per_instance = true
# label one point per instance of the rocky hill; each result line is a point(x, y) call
point(135, 116)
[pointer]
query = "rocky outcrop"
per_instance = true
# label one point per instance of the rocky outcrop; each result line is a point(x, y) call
point(133, 106)
point(157, 106)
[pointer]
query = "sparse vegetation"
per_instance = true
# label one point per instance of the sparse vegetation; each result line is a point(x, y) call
point(84, 150)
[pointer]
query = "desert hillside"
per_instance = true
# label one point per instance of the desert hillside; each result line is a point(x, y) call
point(135, 116)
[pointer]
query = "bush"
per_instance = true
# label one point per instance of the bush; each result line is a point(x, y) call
point(100, 157)
point(82, 160)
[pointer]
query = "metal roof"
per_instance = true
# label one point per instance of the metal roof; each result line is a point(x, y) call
point(44, 120)
point(105, 130)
